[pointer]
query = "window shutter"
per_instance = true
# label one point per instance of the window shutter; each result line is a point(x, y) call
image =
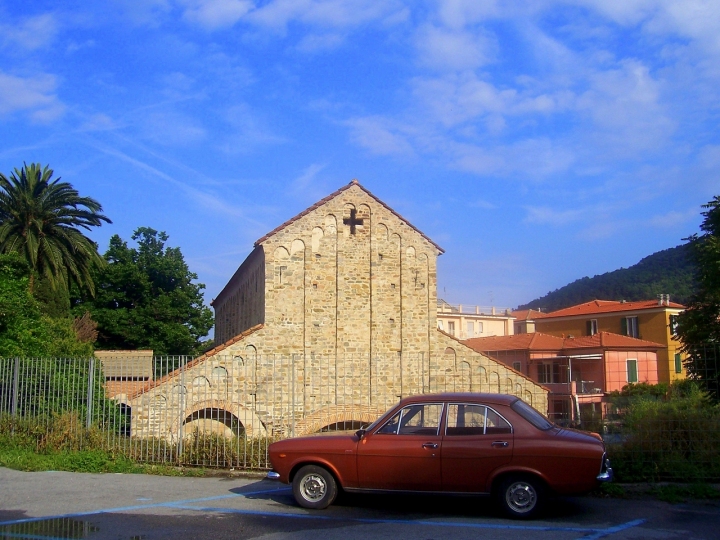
point(623, 326)
point(589, 328)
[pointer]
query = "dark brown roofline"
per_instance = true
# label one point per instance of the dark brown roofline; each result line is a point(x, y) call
point(322, 201)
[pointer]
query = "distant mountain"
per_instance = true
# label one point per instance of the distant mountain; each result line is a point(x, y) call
point(670, 271)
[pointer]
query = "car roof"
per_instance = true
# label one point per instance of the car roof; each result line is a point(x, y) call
point(498, 399)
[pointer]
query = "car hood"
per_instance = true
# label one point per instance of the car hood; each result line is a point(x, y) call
point(579, 436)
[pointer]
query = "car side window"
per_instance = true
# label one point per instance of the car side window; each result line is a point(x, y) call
point(496, 424)
point(421, 419)
point(468, 419)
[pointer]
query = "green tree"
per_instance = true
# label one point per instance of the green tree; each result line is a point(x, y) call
point(146, 298)
point(40, 219)
point(24, 330)
point(699, 325)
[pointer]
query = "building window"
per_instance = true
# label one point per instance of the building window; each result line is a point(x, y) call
point(451, 328)
point(440, 324)
point(632, 374)
point(517, 366)
point(592, 327)
point(470, 329)
point(480, 327)
point(678, 363)
point(630, 326)
point(673, 325)
point(545, 373)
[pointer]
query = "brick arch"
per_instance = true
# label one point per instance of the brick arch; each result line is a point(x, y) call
point(250, 421)
point(314, 422)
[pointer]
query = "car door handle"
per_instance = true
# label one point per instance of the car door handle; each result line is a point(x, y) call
point(430, 445)
point(499, 444)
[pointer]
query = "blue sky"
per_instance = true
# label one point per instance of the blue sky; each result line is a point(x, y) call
point(536, 141)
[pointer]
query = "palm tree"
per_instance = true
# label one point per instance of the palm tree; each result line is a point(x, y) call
point(39, 219)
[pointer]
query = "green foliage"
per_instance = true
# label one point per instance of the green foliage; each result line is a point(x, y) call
point(24, 330)
point(64, 443)
point(670, 271)
point(668, 433)
point(147, 299)
point(699, 325)
point(40, 218)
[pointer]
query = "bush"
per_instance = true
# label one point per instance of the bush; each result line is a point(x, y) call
point(670, 436)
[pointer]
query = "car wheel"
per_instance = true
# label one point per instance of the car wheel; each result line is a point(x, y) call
point(314, 487)
point(521, 497)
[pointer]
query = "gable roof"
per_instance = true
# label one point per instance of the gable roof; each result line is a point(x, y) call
point(527, 314)
point(324, 200)
point(609, 306)
point(537, 341)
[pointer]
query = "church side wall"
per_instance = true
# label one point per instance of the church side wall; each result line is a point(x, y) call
point(241, 304)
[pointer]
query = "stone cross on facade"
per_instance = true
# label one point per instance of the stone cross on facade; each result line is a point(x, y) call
point(352, 221)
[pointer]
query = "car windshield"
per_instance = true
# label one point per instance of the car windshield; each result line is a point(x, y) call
point(531, 415)
point(375, 423)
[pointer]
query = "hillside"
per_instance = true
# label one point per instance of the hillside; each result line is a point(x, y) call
point(666, 272)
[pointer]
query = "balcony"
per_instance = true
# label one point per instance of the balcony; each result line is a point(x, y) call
point(588, 388)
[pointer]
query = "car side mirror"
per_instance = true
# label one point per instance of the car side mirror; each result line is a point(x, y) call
point(360, 433)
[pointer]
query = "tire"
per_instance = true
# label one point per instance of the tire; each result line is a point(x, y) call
point(521, 497)
point(314, 487)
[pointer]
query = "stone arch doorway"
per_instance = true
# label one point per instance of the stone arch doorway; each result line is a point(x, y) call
point(338, 418)
point(221, 417)
point(212, 420)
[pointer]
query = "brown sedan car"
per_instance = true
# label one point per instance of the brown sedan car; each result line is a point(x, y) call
point(447, 443)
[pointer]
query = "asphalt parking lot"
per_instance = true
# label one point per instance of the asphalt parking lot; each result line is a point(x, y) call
point(53, 505)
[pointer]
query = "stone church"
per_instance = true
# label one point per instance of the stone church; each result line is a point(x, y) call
point(328, 322)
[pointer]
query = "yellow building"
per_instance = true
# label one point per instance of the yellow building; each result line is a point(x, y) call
point(651, 320)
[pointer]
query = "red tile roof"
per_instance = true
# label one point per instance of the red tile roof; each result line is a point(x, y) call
point(609, 306)
point(534, 341)
point(527, 314)
point(332, 196)
point(537, 341)
point(608, 340)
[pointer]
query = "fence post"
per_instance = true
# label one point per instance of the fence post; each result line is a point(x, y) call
point(181, 435)
point(91, 378)
point(16, 387)
point(292, 395)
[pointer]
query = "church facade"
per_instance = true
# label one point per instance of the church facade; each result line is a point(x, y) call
point(329, 321)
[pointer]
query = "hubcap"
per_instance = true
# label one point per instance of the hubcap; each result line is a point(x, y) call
point(521, 497)
point(313, 487)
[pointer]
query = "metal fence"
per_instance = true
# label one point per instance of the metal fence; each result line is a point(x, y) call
point(225, 411)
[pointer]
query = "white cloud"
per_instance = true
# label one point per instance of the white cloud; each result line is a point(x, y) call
point(32, 33)
point(377, 135)
point(170, 128)
point(306, 179)
point(543, 215)
point(35, 95)
point(451, 49)
point(212, 14)
point(327, 13)
point(673, 219)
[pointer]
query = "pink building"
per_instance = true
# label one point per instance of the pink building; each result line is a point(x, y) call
point(579, 372)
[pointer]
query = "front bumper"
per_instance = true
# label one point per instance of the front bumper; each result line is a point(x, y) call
point(272, 475)
point(606, 472)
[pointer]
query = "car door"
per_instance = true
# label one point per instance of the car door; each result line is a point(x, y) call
point(404, 453)
point(477, 441)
